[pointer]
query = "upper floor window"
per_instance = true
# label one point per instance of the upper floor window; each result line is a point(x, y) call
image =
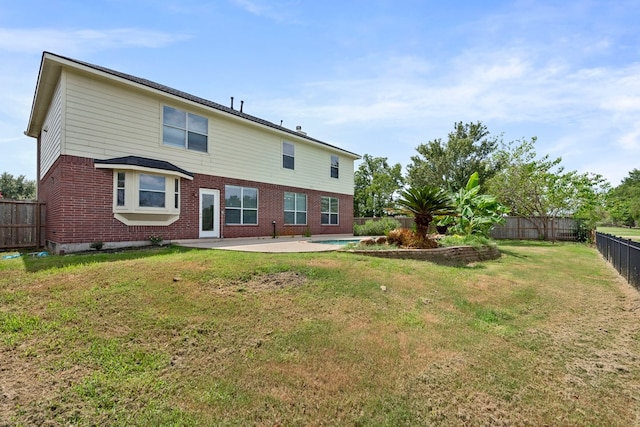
point(295, 208)
point(241, 205)
point(182, 129)
point(288, 155)
point(335, 166)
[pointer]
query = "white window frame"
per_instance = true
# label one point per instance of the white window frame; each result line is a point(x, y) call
point(131, 213)
point(187, 129)
point(152, 190)
point(297, 209)
point(132, 189)
point(241, 208)
point(332, 201)
point(335, 166)
point(287, 155)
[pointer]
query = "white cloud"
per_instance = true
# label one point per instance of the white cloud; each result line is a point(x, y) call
point(630, 140)
point(276, 11)
point(22, 40)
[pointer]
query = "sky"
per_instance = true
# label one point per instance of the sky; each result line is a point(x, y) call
point(377, 77)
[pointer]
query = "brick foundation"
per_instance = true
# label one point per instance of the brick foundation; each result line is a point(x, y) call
point(79, 201)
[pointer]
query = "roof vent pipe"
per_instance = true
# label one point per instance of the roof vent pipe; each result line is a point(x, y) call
point(299, 130)
point(232, 102)
point(241, 105)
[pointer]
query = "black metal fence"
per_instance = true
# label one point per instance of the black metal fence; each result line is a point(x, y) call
point(623, 254)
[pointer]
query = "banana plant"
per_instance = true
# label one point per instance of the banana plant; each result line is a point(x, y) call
point(475, 213)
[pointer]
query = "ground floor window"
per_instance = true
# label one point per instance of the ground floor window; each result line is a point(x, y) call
point(138, 191)
point(329, 211)
point(120, 188)
point(152, 191)
point(295, 208)
point(241, 205)
point(141, 198)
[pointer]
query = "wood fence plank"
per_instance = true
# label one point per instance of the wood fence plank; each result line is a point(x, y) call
point(22, 224)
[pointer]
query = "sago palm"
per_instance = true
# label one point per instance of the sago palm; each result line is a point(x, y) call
point(425, 203)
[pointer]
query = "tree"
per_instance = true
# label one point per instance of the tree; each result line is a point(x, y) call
point(375, 185)
point(424, 203)
point(540, 187)
point(469, 149)
point(18, 188)
point(623, 202)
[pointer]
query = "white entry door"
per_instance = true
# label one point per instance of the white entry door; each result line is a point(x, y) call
point(209, 213)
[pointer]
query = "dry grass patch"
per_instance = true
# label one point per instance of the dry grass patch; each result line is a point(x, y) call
point(547, 334)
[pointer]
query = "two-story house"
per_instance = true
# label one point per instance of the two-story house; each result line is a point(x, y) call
point(121, 158)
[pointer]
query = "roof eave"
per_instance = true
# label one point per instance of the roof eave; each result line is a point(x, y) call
point(52, 65)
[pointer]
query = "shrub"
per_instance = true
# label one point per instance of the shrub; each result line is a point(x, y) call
point(97, 245)
point(407, 238)
point(459, 240)
point(156, 240)
point(582, 232)
point(379, 227)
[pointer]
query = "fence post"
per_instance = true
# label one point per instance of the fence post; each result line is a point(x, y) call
point(628, 260)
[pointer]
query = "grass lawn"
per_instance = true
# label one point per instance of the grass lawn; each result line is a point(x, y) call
point(546, 335)
point(627, 233)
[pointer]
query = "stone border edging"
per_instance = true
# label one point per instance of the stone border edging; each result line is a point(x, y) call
point(449, 255)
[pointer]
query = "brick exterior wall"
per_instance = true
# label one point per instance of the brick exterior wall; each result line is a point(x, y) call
point(79, 201)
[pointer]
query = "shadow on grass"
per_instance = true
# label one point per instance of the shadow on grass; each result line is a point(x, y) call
point(524, 243)
point(34, 264)
point(512, 253)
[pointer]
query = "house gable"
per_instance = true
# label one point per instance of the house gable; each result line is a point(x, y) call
point(111, 114)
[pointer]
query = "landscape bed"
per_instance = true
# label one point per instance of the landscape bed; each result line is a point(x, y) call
point(444, 255)
point(548, 334)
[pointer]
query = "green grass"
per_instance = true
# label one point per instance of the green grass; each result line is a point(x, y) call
point(547, 334)
point(627, 233)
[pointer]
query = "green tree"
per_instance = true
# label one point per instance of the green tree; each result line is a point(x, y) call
point(424, 203)
point(623, 202)
point(375, 185)
point(540, 187)
point(449, 165)
point(16, 188)
point(591, 195)
point(475, 213)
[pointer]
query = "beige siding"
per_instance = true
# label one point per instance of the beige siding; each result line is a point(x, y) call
point(247, 152)
point(51, 139)
point(104, 120)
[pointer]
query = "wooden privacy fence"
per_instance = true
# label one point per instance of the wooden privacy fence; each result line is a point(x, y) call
point(22, 224)
point(517, 228)
point(623, 254)
point(536, 228)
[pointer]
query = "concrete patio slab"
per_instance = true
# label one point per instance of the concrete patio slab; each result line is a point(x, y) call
point(268, 244)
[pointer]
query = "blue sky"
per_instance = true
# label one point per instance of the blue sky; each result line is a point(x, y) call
point(374, 77)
